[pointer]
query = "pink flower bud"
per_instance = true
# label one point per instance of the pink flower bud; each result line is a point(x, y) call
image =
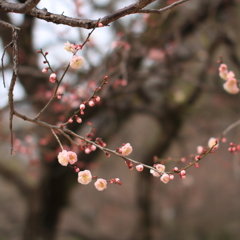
point(93, 147)
point(91, 103)
point(82, 106)
point(70, 120)
point(53, 78)
point(97, 98)
point(78, 119)
point(87, 150)
point(139, 168)
point(45, 70)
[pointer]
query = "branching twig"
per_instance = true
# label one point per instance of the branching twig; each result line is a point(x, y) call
point(59, 82)
point(162, 9)
point(4, 51)
point(14, 76)
point(18, 7)
point(83, 23)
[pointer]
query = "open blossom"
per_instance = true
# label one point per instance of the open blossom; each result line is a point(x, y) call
point(231, 86)
point(84, 177)
point(71, 157)
point(160, 168)
point(76, 62)
point(126, 149)
point(63, 158)
point(70, 47)
point(100, 184)
point(165, 178)
point(212, 141)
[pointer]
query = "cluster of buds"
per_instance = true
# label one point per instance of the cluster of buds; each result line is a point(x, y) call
point(231, 84)
point(129, 164)
point(95, 99)
point(234, 148)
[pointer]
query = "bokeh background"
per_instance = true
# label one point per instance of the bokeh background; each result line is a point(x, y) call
point(173, 102)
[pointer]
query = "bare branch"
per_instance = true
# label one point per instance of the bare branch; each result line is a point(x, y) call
point(14, 75)
point(18, 7)
point(162, 9)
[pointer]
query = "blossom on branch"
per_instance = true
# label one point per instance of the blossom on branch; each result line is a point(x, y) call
point(71, 157)
point(84, 177)
point(100, 184)
point(76, 62)
point(126, 149)
point(231, 86)
point(70, 47)
point(63, 158)
point(165, 178)
point(212, 141)
point(160, 168)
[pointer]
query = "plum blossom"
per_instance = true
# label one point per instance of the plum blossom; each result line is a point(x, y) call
point(71, 157)
point(212, 141)
point(165, 178)
point(84, 177)
point(231, 86)
point(76, 62)
point(160, 168)
point(70, 47)
point(100, 184)
point(63, 158)
point(126, 149)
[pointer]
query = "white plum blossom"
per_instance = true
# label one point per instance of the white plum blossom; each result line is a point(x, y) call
point(100, 184)
point(63, 158)
point(70, 47)
point(76, 62)
point(84, 177)
point(212, 141)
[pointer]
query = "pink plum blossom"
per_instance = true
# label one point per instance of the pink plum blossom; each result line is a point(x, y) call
point(71, 157)
point(223, 71)
point(231, 86)
point(165, 178)
point(100, 184)
point(63, 158)
point(126, 149)
point(76, 62)
point(159, 167)
point(84, 177)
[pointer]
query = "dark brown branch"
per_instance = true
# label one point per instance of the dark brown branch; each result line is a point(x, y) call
point(86, 23)
point(18, 7)
point(162, 9)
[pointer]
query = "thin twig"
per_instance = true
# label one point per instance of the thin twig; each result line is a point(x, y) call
point(162, 9)
point(4, 51)
point(55, 135)
point(59, 82)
